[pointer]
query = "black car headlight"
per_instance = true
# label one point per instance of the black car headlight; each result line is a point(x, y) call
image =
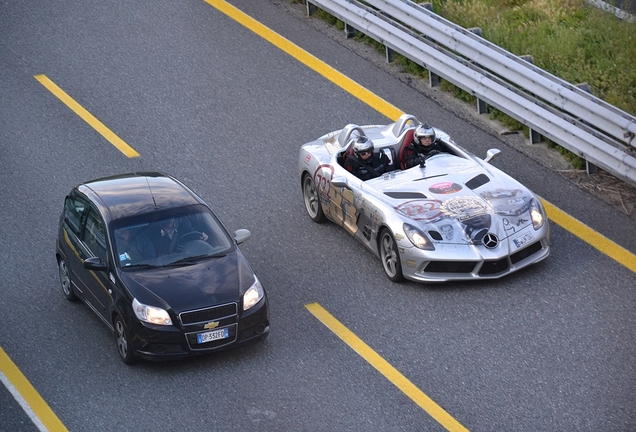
point(151, 314)
point(253, 295)
point(536, 214)
point(418, 238)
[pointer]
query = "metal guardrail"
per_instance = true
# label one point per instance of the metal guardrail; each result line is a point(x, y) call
point(593, 129)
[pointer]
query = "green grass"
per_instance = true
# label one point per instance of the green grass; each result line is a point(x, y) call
point(571, 40)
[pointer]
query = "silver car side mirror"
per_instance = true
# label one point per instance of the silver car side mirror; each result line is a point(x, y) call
point(492, 154)
point(241, 235)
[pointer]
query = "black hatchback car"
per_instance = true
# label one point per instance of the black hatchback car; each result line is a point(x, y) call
point(152, 260)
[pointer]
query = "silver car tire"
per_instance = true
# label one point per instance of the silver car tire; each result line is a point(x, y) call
point(65, 281)
point(123, 342)
point(390, 256)
point(312, 200)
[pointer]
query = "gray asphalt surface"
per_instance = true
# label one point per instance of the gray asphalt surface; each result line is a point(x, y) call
point(205, 99)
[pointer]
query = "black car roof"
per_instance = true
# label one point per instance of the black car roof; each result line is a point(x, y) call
point(131, 194)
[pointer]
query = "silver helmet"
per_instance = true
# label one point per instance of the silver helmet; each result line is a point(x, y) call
point(362, 144)
point(424, 131)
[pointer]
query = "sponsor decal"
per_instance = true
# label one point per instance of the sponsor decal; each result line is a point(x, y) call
point(445, 188)
point(463, 208)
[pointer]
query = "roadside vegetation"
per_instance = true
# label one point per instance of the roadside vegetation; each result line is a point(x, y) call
point(567, 38)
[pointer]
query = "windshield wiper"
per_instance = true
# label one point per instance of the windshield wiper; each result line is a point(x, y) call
point(194, 259)
point(138, 266)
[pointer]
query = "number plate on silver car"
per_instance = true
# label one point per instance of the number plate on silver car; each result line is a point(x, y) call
point(520, 241)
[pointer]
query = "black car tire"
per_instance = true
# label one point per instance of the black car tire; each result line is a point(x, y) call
point(65, 281)
point(312, 200)
point(390, 256)
point(122, 339)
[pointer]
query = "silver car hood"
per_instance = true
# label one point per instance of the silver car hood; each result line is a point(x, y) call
point(459, 199)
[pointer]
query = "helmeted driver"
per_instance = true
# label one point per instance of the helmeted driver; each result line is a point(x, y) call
point(424, 145)
point(365, 163)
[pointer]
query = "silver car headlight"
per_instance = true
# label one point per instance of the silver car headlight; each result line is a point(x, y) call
point(151, 314)
point(418, 238)
point(253, 295)
point(536, 214)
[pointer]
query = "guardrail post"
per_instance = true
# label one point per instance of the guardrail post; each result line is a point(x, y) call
point(535, 137)
point(389, 54)
point(590, 168)
point(433, 79)
point(311, 9)
point(482, 107)
point(475, 31)
point(349, 31)
point(427, 6)
point(527, 58)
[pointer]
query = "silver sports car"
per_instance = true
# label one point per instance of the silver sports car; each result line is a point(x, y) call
point(456, 217)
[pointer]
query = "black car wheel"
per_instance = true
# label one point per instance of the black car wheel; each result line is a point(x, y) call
point(65, 281)
point(312, 200)
point(390, 256)
point(123, 341)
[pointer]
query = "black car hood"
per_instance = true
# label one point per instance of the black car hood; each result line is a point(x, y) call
point(217, 280)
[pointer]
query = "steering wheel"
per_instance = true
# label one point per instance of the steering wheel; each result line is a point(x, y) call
point(433, 153)
point(187, 238)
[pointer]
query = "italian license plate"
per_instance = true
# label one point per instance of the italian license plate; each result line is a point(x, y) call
point(213, 335)
point(520, 241)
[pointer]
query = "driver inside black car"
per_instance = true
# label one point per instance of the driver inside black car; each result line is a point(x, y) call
point(172, 231)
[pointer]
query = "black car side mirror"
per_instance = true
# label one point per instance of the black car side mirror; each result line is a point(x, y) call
point(95, 263)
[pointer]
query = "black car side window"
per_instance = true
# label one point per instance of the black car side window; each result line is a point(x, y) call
point(74, 209)
point(95, 235)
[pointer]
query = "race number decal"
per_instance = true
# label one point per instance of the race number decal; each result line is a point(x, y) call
point(322, 179)
point(424, 210)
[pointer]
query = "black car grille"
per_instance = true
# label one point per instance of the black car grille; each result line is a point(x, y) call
point(494, 267)
point(209, 314)
point(450, 267)
point(488, 268)
point(526, 252)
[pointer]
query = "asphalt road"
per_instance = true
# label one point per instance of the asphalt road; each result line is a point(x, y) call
point(207, 100)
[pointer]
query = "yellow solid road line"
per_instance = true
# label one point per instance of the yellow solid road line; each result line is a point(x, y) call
point(309, 60)
point(588, 235)
point(87, 117)
point(561, 218)
point(37, 405)
point(392, 374)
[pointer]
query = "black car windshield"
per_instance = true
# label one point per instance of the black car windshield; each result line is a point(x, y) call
point(163, 238)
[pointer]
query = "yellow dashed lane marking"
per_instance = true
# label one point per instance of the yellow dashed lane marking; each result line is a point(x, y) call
point(87, 117)
point(389, 372)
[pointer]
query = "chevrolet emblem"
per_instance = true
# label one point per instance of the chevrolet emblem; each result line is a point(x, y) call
point(211, 325)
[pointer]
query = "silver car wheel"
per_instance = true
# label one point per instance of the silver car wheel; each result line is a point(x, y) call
point(312, 200)
point(65, 281)
point(390, 256)
point(123, 344)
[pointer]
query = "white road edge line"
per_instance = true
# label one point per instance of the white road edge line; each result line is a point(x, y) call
point(23, 403)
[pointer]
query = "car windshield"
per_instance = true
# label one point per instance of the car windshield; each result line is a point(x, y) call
point(179, 237)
